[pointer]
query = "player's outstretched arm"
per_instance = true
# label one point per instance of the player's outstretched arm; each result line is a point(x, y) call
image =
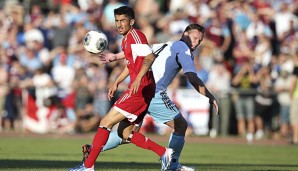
point(110, 57)
point(198, 84)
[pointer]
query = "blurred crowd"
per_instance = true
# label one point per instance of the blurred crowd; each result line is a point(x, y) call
point(247, 58)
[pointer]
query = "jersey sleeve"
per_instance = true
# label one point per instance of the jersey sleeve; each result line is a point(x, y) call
point(141, 49)
point(140, 45)
point(184, 57)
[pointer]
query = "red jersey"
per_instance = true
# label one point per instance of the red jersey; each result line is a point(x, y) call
point(135, 48)
point(135, 106)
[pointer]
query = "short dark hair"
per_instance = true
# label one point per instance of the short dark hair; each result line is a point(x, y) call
point(195, 26)
point(125, 10)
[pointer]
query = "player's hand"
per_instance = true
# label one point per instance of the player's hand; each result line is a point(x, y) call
point(135, 86)
point(102, 58)
point(112, 91)
point(110, 57)
point(106, 58)
point(215, 104)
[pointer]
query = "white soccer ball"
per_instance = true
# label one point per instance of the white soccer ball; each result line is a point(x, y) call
point(95, 42)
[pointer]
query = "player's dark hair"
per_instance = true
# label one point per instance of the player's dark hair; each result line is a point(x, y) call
point(195, 26)
point(125, 10)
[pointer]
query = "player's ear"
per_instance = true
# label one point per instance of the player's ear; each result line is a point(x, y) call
point(131, 22)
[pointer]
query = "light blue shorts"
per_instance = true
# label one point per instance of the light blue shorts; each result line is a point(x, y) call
point(162, 109)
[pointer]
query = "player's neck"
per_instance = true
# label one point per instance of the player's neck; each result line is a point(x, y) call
point(128, 32)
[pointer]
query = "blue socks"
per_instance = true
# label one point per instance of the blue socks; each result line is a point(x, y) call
point(113, 141)
point(176, 142)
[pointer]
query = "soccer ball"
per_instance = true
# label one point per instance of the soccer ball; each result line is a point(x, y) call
point(95, 42)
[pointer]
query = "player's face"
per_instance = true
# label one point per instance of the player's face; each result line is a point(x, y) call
point(195, 38)
point(123, 24)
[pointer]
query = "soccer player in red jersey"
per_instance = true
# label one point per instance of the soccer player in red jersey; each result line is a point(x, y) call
point(141, 89)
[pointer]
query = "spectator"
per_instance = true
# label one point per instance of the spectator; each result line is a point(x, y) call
point(31, 34)
point(108, 14)
point(208, 54)
point(76, 50)
point(98, 87)
point(8, 113)
point(11, 113)
point(61, 33)
point(284, 20)
point(178, 21)
point(245, 81)
point(198, 11)
point(282, 87)
point(29, 59)
point(294, 106)
point(264, 102)
point(81, 87)
point(63, 75)
point(257, 27)
point(57, 119)
point(242, 51)
point(146, 27)
point(263, 51)
point(59, 123)
point(152, 14)
point(44, 86)
point(164, 34)
point(3, 89)
point(86, 119)
point(202, 73)
point(219, 33)
point(242, 14)
point(219, 83)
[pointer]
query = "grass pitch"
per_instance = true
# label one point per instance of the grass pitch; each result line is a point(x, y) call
point(55, 153)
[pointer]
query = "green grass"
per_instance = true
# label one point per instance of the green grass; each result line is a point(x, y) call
point(50, 153)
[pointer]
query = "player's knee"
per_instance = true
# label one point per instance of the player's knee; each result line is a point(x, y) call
point(180, 125)
point(123, 134)
point(120, 133)
point(126, 135)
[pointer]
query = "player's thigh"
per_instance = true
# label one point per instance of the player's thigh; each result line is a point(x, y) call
point(111, 118)
point(134, 106)
point(162, 112)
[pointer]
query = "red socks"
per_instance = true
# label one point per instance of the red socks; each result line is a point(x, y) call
point(99, 140)
point(145, 143)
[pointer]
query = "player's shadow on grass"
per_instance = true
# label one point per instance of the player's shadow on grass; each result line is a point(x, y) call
point(54, 165)
point(50, 164)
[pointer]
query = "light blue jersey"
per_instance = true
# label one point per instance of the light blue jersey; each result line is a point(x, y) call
point(171, 58)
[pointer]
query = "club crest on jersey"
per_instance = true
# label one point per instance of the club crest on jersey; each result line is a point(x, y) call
point(127, 62)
